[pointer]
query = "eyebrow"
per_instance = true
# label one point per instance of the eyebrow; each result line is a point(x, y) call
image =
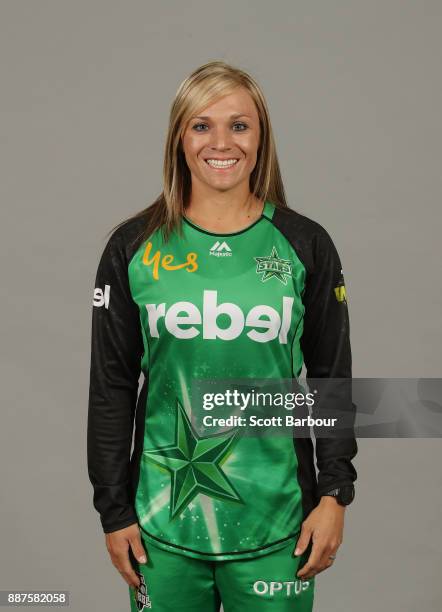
point(234, 116)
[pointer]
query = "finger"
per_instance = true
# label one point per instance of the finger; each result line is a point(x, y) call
point(323, 567)
point(322, 564)
point(312, 562)
point(303, 541)
point(138, 549)
point(124, 566)
point(325, 560)
point(130, 577)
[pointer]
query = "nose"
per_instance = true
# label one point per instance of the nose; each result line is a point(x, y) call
point(221, 139)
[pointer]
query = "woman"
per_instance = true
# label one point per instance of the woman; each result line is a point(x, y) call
point(217, 279)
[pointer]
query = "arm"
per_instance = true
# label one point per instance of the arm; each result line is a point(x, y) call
point(116, 351)
point(327, 354)
point(326, 348)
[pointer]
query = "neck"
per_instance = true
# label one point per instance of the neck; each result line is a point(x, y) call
point(224, 212)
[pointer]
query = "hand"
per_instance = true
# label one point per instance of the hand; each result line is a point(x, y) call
point(325, 524)
point(117, 543)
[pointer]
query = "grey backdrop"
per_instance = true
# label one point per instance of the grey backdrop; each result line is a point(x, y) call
point(354, 91)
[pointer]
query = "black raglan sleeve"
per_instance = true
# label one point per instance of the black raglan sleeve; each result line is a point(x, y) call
point(116, 353)
point(325, 344)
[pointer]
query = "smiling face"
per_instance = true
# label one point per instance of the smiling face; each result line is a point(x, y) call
point(220, 144)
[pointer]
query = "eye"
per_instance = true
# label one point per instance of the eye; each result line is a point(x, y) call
point(197, 125)
point(240, 123)
point(242, 127)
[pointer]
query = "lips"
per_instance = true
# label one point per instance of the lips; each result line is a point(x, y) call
point(216, 163)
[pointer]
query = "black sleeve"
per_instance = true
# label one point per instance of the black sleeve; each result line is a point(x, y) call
point(325, 344)
point(116, 352)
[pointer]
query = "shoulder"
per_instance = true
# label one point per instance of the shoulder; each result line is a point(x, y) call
point(309, 238)
point(127, 231)
point(298, 225)
point(127, 236)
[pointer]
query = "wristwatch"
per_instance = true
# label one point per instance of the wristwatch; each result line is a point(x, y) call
point(344, 495)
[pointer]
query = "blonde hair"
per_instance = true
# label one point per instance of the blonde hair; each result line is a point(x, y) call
point(203, 87)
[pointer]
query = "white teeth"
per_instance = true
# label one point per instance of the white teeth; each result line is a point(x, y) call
point(216, 163)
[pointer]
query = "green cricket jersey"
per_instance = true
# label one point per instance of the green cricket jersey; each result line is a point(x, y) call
point(257, 303)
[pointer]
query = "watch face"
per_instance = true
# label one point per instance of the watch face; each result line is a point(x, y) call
point(346, 495)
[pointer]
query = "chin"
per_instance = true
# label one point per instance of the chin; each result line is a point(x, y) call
point(224, 185)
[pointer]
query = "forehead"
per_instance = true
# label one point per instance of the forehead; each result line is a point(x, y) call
point(239, 102)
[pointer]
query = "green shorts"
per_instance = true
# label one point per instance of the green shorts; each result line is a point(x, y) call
point(177, 583)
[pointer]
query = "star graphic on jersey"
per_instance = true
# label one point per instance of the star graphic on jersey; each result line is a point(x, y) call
point(272, 265)
point(194, 464)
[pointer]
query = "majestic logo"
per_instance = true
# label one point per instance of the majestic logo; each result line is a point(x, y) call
point(142, 599)
point(272, 265)
point(101, 298)
point(221, 249)
point(194, 464)
point(166, 261)
point(265, 321)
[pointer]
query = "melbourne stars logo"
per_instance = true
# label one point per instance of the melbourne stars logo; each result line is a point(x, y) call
point(272, 265)
point(194, 464)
